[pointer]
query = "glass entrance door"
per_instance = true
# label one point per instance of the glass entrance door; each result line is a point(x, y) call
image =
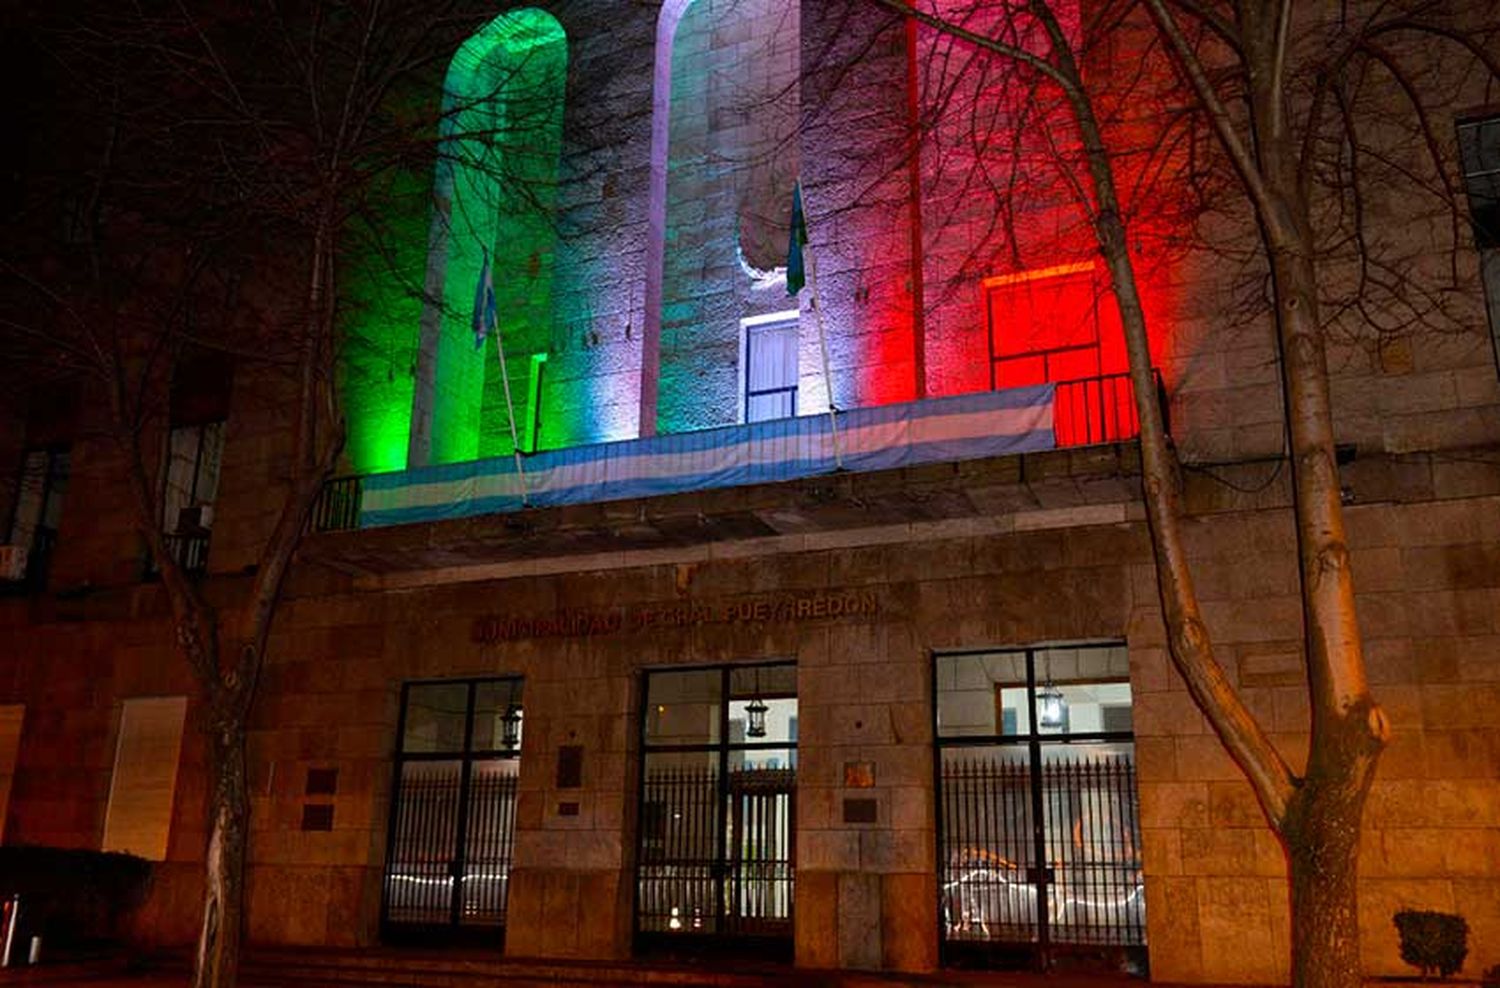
point(717, 823)
point(453, 811)
point(1039, 850)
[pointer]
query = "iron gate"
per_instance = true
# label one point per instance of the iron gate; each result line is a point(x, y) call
point(717, 824)
point(688, 881)
point(1038, 827)
point(453, 811)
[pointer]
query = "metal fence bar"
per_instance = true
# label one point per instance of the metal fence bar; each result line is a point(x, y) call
point(337, 506)
point(1092, 846)
point(683, 811)
point(1094, 410)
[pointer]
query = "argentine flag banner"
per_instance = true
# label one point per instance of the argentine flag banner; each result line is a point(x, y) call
point(484, 303)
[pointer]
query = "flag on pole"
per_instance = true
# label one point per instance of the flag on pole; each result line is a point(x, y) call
point(484, 303)
point(796, 272)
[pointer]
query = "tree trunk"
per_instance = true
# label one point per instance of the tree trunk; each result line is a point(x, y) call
point(1321, 835)
point(1321, 827)
point(216, 964)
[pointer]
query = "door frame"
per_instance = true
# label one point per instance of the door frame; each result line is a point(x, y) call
point(453, 930)
point(1044, 953)
point(722, 942)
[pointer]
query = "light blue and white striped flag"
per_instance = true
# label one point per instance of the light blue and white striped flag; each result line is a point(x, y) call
point(484, 303)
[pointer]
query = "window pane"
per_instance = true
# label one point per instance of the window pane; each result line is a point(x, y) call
point(767, 408)
point(681, 825)
point(424, 835)
point(980, 695)
point(1016, 372)
point(988, 845)
point(771, 351)
point(683, 707)
point(30, 495)
point(435, 715)
point(763, 681)
point(211, 453)
point(1043, 314)
point(775, 689)
point(495, 704)
point(182, 462)
point(757, 759)
point(57, 486)
point(1092, 840)
point(1078, 688)
point(1479, 147)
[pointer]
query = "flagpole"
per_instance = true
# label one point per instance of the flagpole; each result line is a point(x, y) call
point(817, 304)
point(510, 406)
point(486, 317)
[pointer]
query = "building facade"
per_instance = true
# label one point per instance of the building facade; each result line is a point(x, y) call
point(682, 615)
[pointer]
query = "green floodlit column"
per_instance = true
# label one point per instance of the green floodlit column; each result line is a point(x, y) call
point(530, 144)
point(381, 301)
point(495, 189)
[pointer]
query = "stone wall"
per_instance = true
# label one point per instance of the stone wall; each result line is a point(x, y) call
point(866, 892)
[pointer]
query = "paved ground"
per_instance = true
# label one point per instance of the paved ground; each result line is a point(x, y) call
point(68, 977)
point(391, 968)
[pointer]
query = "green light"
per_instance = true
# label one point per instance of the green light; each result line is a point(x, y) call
point(381, 309)
point(495, 188)
point(504, 102)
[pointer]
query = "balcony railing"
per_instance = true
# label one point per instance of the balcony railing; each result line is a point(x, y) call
point(337, 507)
point(1097, 410)
point(1084, 412)
point(188, 551)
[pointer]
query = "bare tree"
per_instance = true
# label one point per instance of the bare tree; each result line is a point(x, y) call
point(220, 172)
point(1291, 118)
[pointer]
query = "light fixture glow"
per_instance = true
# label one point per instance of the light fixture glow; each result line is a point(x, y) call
point(1051, 707)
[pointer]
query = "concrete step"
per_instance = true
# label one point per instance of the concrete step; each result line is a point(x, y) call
point(457, 969)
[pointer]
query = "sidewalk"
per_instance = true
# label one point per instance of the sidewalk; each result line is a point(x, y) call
point(388, 968)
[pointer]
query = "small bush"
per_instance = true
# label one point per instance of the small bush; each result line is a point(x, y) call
point(1433, 941)
point(73, 898)
point(1491, 978)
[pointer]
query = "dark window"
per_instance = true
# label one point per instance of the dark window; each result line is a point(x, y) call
point(317, 817)
point(453, 810)
point(717, 818)
point(322, 781)
point(33, 527)
point(190, 483)
point(1479, 149)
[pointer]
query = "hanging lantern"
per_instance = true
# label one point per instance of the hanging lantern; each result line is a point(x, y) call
point(1051, 707)
point(510, 726)
point(756, 709)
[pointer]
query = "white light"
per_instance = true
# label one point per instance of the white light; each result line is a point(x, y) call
point(1052, 709)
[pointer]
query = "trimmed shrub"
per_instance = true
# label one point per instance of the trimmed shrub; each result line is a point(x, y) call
point(1491, 978)
point(73, 898)
point(1432, 941)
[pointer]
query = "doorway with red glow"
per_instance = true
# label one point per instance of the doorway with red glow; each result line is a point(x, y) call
point(1057, 325)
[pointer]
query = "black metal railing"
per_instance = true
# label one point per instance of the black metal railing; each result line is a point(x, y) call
point(428, 882)
point(337, 506)
point(1086, 412)
point(1090, 884)
point(700, 874)
point(1101, 409)
point(189, 551)
point(38, 564)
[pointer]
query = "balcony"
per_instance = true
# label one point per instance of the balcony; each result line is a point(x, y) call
point(984, 425)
